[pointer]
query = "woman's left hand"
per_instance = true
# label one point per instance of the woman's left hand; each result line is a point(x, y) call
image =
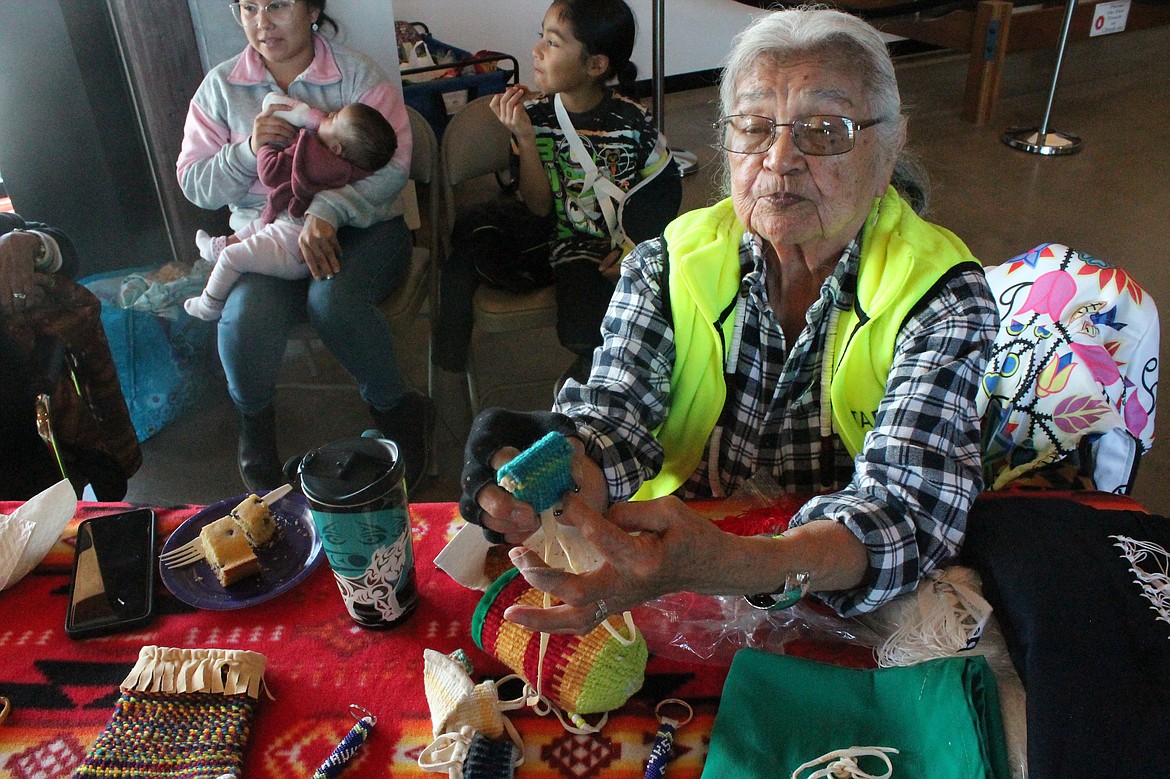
point(320, 247)
point(649, 548)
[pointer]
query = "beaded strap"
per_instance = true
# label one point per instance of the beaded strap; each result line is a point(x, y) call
point(664, 738)
point(344, 751)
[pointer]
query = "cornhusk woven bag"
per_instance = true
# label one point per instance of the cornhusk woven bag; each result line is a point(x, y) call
point(183, 714)
point(586, 674)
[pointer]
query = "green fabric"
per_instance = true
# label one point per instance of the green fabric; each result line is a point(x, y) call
point(779, 712)
point(902, 258)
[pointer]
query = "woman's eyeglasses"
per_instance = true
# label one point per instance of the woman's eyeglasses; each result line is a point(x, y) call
point(819, 136)
point(248, 14)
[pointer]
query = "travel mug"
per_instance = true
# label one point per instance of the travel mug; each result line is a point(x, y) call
point(358, 500)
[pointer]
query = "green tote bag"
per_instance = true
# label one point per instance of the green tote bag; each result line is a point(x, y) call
point(778, 713)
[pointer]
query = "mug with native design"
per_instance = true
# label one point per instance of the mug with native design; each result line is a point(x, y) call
point(359, 505)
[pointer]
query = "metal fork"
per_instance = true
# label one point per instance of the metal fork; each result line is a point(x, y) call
point(180, 556)
point(193, 551)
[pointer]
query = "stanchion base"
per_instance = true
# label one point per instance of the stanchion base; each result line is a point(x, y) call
point(1050, 143)
point(687, 161)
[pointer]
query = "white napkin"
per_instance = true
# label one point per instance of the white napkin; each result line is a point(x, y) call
point(465, 555)
point(28, 534)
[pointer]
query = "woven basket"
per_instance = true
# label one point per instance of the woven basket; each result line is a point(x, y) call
point(586, 674)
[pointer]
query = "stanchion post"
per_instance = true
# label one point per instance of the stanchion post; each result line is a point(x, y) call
point(1042, 140)
point(684, 159)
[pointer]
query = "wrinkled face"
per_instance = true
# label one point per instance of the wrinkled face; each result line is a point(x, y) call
point(281, 41)
point(786, 196)
point(558, 59)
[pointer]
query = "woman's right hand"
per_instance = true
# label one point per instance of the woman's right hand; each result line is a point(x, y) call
point(269, 129)
point(496, 437)
point(508, 107)
point(649, 548)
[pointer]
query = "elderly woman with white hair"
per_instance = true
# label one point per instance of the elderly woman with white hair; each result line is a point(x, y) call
point(811, 327)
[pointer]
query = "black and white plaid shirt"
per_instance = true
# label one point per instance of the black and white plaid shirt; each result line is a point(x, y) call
point(906, 496)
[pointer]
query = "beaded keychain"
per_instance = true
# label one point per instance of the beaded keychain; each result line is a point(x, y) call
point(664, 738)
point(335, 763)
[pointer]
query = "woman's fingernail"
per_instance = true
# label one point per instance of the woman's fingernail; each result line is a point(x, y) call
point(543, 579)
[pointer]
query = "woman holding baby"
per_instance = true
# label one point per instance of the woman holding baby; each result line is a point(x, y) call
point(354, 240)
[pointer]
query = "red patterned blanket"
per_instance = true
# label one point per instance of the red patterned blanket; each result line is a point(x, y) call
point(63, 691)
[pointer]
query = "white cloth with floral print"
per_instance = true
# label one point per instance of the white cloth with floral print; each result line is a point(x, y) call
point(1074, 370)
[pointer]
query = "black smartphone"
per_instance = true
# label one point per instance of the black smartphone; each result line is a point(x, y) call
point(112, 588)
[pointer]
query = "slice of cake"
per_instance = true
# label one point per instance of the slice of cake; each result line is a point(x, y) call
point(254, 518)
point(227, 551)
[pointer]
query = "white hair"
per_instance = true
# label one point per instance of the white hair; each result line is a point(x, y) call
point(842, 41)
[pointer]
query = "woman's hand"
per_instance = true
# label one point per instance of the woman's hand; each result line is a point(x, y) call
point(268, 129)
point(20, 285)
point(514, 519)
point(650, 548)
point(496, 437)
point(320, 247)
point(508, 107)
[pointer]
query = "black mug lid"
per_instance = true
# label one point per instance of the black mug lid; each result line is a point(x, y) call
point(352, 472)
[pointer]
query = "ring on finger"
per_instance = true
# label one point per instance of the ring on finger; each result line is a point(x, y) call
point(602, 611)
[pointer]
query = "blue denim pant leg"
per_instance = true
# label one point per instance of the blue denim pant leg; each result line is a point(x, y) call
point(253, 333)
point(344, 310)
point(260, 310)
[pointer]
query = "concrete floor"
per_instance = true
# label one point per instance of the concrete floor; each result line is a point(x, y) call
point(1110, 200)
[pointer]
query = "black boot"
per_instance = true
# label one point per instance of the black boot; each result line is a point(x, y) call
point(410, 424)
point(260, 466)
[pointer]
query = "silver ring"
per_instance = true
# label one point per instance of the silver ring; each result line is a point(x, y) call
point(19, 295)
point(602, 611)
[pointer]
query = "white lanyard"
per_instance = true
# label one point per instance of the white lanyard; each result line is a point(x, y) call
point(609, 195)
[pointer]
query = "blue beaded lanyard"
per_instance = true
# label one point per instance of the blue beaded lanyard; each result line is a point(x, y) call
point(664, 738)
point(344, 752)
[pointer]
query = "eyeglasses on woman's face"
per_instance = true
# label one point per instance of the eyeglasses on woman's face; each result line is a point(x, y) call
point(277, 11)
point(819, 136)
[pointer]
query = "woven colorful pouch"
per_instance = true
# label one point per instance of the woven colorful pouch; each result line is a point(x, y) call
point(183, 714)
point(589, 674)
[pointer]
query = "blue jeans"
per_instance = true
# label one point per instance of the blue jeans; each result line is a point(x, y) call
point(260, 310)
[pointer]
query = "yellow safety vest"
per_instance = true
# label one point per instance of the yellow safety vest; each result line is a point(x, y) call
point(903, 258)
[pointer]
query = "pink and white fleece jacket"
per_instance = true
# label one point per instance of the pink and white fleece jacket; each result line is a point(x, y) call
point(216, 166)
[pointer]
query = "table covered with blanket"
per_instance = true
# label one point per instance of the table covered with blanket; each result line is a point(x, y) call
point(319, 663)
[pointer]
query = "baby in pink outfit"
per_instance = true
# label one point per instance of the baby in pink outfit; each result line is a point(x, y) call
point(330, 151)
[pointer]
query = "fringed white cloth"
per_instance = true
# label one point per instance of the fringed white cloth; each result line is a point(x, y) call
point(1150, 566)
point(946, 615)
point(218, 671)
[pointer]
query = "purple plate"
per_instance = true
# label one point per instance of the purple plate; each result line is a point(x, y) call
point(285, 563)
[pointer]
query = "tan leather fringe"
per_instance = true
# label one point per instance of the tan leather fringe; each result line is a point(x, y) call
point(223, 671)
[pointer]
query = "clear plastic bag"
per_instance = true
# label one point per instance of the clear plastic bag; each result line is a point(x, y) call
point(712, 628)
point(163, 290)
